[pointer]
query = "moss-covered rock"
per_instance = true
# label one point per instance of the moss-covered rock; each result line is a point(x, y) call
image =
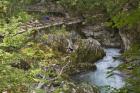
point(83, 53)
point(88, 51)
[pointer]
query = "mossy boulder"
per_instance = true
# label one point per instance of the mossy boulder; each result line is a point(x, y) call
point(83, 53)
point(86, 53)
point(88, 50)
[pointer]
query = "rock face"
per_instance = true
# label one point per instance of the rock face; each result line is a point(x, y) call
point(87, 50)
point(126, 38)
point(83, 52)
point(86, 53)
point(107, 37)
point(130, 35)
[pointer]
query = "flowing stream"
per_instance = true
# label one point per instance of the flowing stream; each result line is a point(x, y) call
point(100, 76)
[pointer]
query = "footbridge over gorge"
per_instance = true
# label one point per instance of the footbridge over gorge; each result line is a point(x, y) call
point(52, 22)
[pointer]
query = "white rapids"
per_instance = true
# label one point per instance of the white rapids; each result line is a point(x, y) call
point(100, 76)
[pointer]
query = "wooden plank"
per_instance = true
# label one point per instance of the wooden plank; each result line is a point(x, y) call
point(25, 27)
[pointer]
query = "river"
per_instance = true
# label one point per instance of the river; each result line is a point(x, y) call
point(100, 76)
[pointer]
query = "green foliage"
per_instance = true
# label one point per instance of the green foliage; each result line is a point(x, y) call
point(129, 18)
point(133, 52)
point(3, 6)
point(9, 31)
point(24, 17)
point(13, 79)
point(81, 7)
point(123, 12)
point(132, 83)
point(34, 54)
point(16, 47)
point(10, 78)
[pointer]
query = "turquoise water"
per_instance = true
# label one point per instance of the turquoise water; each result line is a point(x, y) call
point(100, 76)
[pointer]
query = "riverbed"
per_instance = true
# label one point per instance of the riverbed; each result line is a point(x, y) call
point(101, 77)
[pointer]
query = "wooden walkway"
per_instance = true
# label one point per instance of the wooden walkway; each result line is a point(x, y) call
point(37, 25)
point(42, 24)
point(52, 22)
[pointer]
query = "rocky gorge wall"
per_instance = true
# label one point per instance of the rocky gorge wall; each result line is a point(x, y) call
point(108, 37)
point(130, 35)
